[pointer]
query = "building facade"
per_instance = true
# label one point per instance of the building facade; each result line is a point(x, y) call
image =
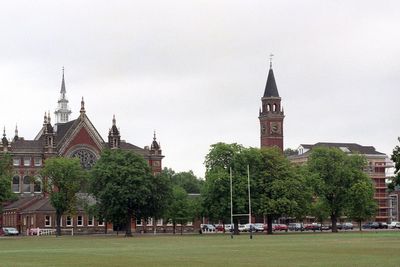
point(66, 138)
point(378, 163)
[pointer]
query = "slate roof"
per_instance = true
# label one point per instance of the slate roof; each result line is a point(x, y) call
point(22, 145)
point(270, 88)
point(41, 205)
point(352, 147)
point(22, 201)
point(62, 129)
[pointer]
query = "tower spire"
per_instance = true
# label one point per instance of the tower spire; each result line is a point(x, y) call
point(82, 106)
point(63, 91)
point(62, 112)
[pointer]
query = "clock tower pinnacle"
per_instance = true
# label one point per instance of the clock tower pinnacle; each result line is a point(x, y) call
point(271, 114)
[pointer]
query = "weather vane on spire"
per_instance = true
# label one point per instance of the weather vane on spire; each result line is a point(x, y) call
point(270, 60)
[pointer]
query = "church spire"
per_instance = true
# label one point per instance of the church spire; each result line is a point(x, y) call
point(62, 112)
point(63, 91)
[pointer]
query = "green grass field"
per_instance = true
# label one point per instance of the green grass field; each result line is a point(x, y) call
point(307, 249)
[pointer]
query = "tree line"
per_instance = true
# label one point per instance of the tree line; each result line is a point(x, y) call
point(330, 185)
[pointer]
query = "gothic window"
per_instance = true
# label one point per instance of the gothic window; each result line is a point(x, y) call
point(269, 107)
point(274, 107)
point(88, 158)
point(26, 186)
point(15, 184)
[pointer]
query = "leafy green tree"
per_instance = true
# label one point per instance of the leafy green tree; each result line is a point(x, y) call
point(362, 203)
point(320, 211)
point(179, 210)
point(276, 188)
point(337, 172)
point(188, 181)
point(159, 199)
point(121, 182)
point(5, 179)
point(63, 179)
point(290, 152)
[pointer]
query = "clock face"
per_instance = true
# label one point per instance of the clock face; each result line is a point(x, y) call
point(275, 128)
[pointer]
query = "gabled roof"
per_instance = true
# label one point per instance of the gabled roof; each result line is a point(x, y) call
point(271, 89)
point(347, 147)
point(62, 129)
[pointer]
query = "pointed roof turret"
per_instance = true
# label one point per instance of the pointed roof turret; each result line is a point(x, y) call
point(4, 139)
point(271, 89)
point(154, 144)
point(63, 91)
point(16, 133)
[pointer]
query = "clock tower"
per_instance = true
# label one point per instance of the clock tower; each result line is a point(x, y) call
point(271, 115)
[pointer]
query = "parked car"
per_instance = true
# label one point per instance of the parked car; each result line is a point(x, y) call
point(242, 227)
point(347, 226)
point(383, 225)
point(266, 227)
point(281, 227)
point(219, 228)
point(371, 225)
point(326, 227)
point(208, 228)
point(10, 231)
point(296, 227)
point(228, 227)
point(312, 227)
point(397, 225)
point(259, 227)
point(392, 225)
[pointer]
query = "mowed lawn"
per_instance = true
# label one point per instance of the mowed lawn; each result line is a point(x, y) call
point(289, 249)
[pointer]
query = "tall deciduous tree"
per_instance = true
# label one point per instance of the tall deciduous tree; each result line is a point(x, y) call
point(63, 178)
point(121, 182)
point(279, 188)
point(276, 188)
point(337, 172)
point(362, 203)
point(5, 179)
point(179, 209)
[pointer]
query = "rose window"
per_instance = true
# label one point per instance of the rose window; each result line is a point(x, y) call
point(87, 158)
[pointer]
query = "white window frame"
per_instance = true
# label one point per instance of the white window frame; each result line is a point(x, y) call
point(27, 161)
point(77, 220)
point(101, 223)
point(169, 223)
point(16, 162)
point(37, 161)
point(149, 221)
point(139, 224)
point(71, 221)
point(47, 221)
point(160, 222)
point(90, 221)
point(190, 223)
point(24, 184)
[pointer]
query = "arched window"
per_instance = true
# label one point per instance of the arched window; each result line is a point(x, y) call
point(274, 107)
point(37, 185)
point(269, 107)
point(26, 186)
point(15, 184)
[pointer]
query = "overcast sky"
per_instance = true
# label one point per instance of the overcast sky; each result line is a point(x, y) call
point(195, 71)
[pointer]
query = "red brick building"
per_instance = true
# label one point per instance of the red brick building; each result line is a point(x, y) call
point(67, 138)
point(376, 169)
